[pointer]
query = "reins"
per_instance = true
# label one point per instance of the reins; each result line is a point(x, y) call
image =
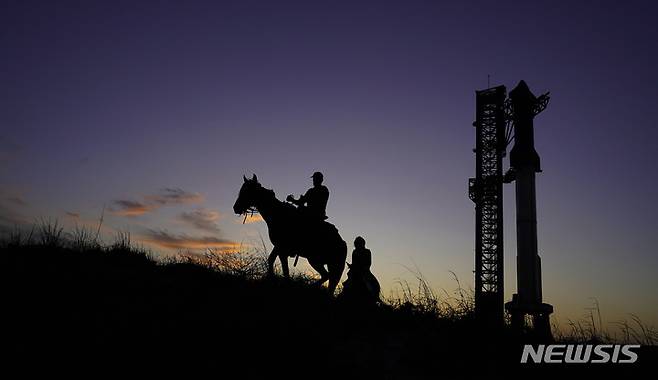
point(251, 211)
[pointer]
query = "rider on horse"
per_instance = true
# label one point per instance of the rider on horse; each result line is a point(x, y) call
point(293, 235)
point(314, 202)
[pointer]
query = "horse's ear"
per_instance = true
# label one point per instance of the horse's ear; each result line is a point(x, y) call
point(244, 177)
point(254, 178)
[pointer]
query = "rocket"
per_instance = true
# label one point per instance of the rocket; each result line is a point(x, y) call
point(523, 154)
point(524, 163)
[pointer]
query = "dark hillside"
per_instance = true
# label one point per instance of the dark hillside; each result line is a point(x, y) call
point(117, 308)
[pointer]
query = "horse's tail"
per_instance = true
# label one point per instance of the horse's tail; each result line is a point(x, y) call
point(337, 266)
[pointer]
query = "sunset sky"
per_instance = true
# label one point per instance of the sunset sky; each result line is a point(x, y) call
point(155, 110)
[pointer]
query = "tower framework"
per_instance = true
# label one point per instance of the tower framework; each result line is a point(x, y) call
point(486, 191)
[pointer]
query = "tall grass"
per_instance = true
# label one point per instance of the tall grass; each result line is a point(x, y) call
point(50, 233)
point(18, 237)
point(417, 298)
point(422, 299)
point(591, 328)
point(240, 263)
point(82, 239)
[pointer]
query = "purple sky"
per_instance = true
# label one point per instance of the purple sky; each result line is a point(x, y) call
point(157, 110)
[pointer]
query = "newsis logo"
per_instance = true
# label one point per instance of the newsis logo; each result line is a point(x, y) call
point(580, 353)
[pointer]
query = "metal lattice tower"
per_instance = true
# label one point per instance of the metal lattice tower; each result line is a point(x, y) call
point(486, 191)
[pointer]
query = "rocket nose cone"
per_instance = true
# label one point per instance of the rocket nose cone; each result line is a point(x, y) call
point(522, 92)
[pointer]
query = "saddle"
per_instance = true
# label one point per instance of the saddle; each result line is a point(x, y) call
point(311, 228)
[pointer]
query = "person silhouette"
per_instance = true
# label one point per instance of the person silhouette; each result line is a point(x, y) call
point(361, 286)
point(314, 201)
point(361, 257)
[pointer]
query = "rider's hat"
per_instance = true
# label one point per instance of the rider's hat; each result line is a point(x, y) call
point(317, 175)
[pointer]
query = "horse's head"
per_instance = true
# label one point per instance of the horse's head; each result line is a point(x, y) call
point(248, 194)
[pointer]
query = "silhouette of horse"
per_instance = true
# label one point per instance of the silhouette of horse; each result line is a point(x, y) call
point(291, 233)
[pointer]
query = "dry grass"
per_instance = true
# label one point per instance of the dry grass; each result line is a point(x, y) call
point(251, 264)
point(591, 329)
point(422, 299)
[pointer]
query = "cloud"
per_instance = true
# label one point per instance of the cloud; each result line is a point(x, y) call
point(164, 238)
point(17, 200)
point(165, 197)
point(202, 219)
point(73, 215)
point(10, 217)
point(172, 196)
point(11, 205)
point(124, 207)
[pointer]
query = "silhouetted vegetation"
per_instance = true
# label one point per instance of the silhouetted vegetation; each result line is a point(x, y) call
point(74, 301)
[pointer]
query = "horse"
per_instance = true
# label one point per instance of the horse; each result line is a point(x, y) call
point(293, 233)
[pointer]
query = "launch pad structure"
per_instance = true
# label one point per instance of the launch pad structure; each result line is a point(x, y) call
point(486, 191)
point(501, 119)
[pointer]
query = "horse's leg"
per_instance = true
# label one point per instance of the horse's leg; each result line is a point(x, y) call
point(283, 257)
point(334, 279)
point(319, 267)
point(337, 266)
point(270, 261)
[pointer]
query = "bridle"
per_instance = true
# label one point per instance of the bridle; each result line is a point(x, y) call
point(251, 211)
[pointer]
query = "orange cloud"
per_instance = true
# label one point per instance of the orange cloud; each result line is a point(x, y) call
point(123, 207)
point(166, 196)
point(166, 239)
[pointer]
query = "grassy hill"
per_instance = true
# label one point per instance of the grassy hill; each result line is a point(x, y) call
point(71, 302)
